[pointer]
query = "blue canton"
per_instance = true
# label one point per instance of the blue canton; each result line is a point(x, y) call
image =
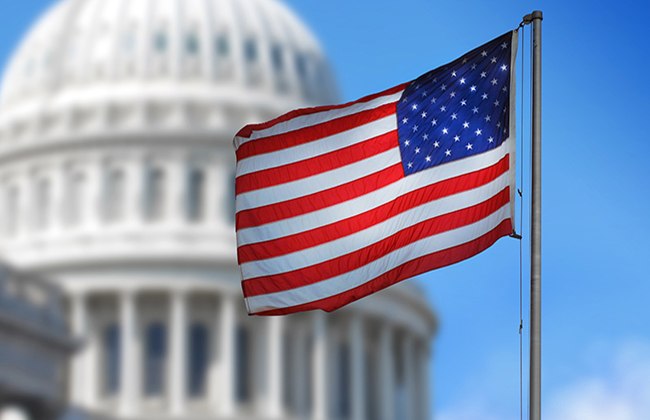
point(458, 110)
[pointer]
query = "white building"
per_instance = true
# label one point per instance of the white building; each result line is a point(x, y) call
point(116, 181)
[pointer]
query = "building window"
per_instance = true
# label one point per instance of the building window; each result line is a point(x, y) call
point(76, 198)
point(114, 197)
point(155, 202)
point(276, 58)
point(199, 347)
point(192, 44)
point(12, 197)
point(160, 42)
point(343, 401)
point(222, 46)
point(250, 51)
point(196, 195)
point(155, 359)
point(42, 204)
point(112, 359)
point(243, 365)
point(301, 67)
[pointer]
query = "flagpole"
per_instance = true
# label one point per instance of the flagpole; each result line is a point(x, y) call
point(536, 223)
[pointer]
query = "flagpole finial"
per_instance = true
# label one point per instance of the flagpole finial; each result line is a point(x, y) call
point(528, 19)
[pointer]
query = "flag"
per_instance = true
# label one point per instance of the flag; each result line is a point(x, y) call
point(337, 202)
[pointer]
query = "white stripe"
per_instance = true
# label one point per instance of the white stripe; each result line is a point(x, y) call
point(317, 183)
point(318, 147)
point(371, 200)
point(350, 280)
point(356, 241)
point(318, 118)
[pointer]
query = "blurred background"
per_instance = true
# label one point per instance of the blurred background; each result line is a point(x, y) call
point(117, 214)
point(110, 109)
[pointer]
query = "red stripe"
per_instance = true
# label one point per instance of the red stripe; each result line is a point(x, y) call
point(353, 260)
point(316, 165)
point(323, 234)
point(316, 201)
point(405, 271)
point(248, 130)
point(313, 132)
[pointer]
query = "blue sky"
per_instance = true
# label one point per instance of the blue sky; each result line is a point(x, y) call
point(596, 198)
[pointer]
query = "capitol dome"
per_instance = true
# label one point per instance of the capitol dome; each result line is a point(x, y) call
point(117, 183)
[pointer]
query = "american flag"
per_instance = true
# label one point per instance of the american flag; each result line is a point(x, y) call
point(335, 203)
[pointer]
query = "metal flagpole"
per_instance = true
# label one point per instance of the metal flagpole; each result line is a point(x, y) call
point(536, 223)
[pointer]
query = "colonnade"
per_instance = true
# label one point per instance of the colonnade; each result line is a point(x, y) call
point(315, 392)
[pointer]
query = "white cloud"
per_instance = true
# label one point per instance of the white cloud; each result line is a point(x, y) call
point(616, 387)
point(620, 390)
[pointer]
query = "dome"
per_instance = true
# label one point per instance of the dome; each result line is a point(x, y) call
point(87, 63)
point(112, 105)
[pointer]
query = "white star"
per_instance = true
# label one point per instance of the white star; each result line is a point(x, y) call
point(424, 93)
point(504, 68)
point(469, 146)
point(494, 81)
point(463, 102)
point(493, 60)
point(428, 158)
point(452, 94)
point(487, 118)
point(456, 138)
point(414, 107)
point(475, 110)
point(473, 66)
point(425, 137)
point(410, 165)
point(496, 103)
point(443, 87)
point(453, 73)
point(405, 120)
point(464, 60)
point(417, 149)
point(447, 152)
point(505, 89)
point(405, 99)
point(499, 124)
point(445, 131)
point(417, 87)
point(433, 100)
point(491, 139)
point(406, 142)
point(434, 80)
point(484, 96)
point(415, 128)
point(424, 114)
point(472, 88)
point(434, 122)
point(478, 132)
point(504, 130)
point(483, 74)
point(436, 144)
point(484, 54)
point(462, 81)
point(504, 46)
point(454, 116)
point(465, 124)
point(443, 108)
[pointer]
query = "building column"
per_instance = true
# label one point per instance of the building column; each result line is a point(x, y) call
point(358, 371)
point(93, 203)
point(79, 324)
point(386, 373)
point(227, 322)
point(176, 199)
point(57, 211)
point(319, 366)
point(274, 408)
point(130, 385)
point(178, 354)
point(408, 361)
